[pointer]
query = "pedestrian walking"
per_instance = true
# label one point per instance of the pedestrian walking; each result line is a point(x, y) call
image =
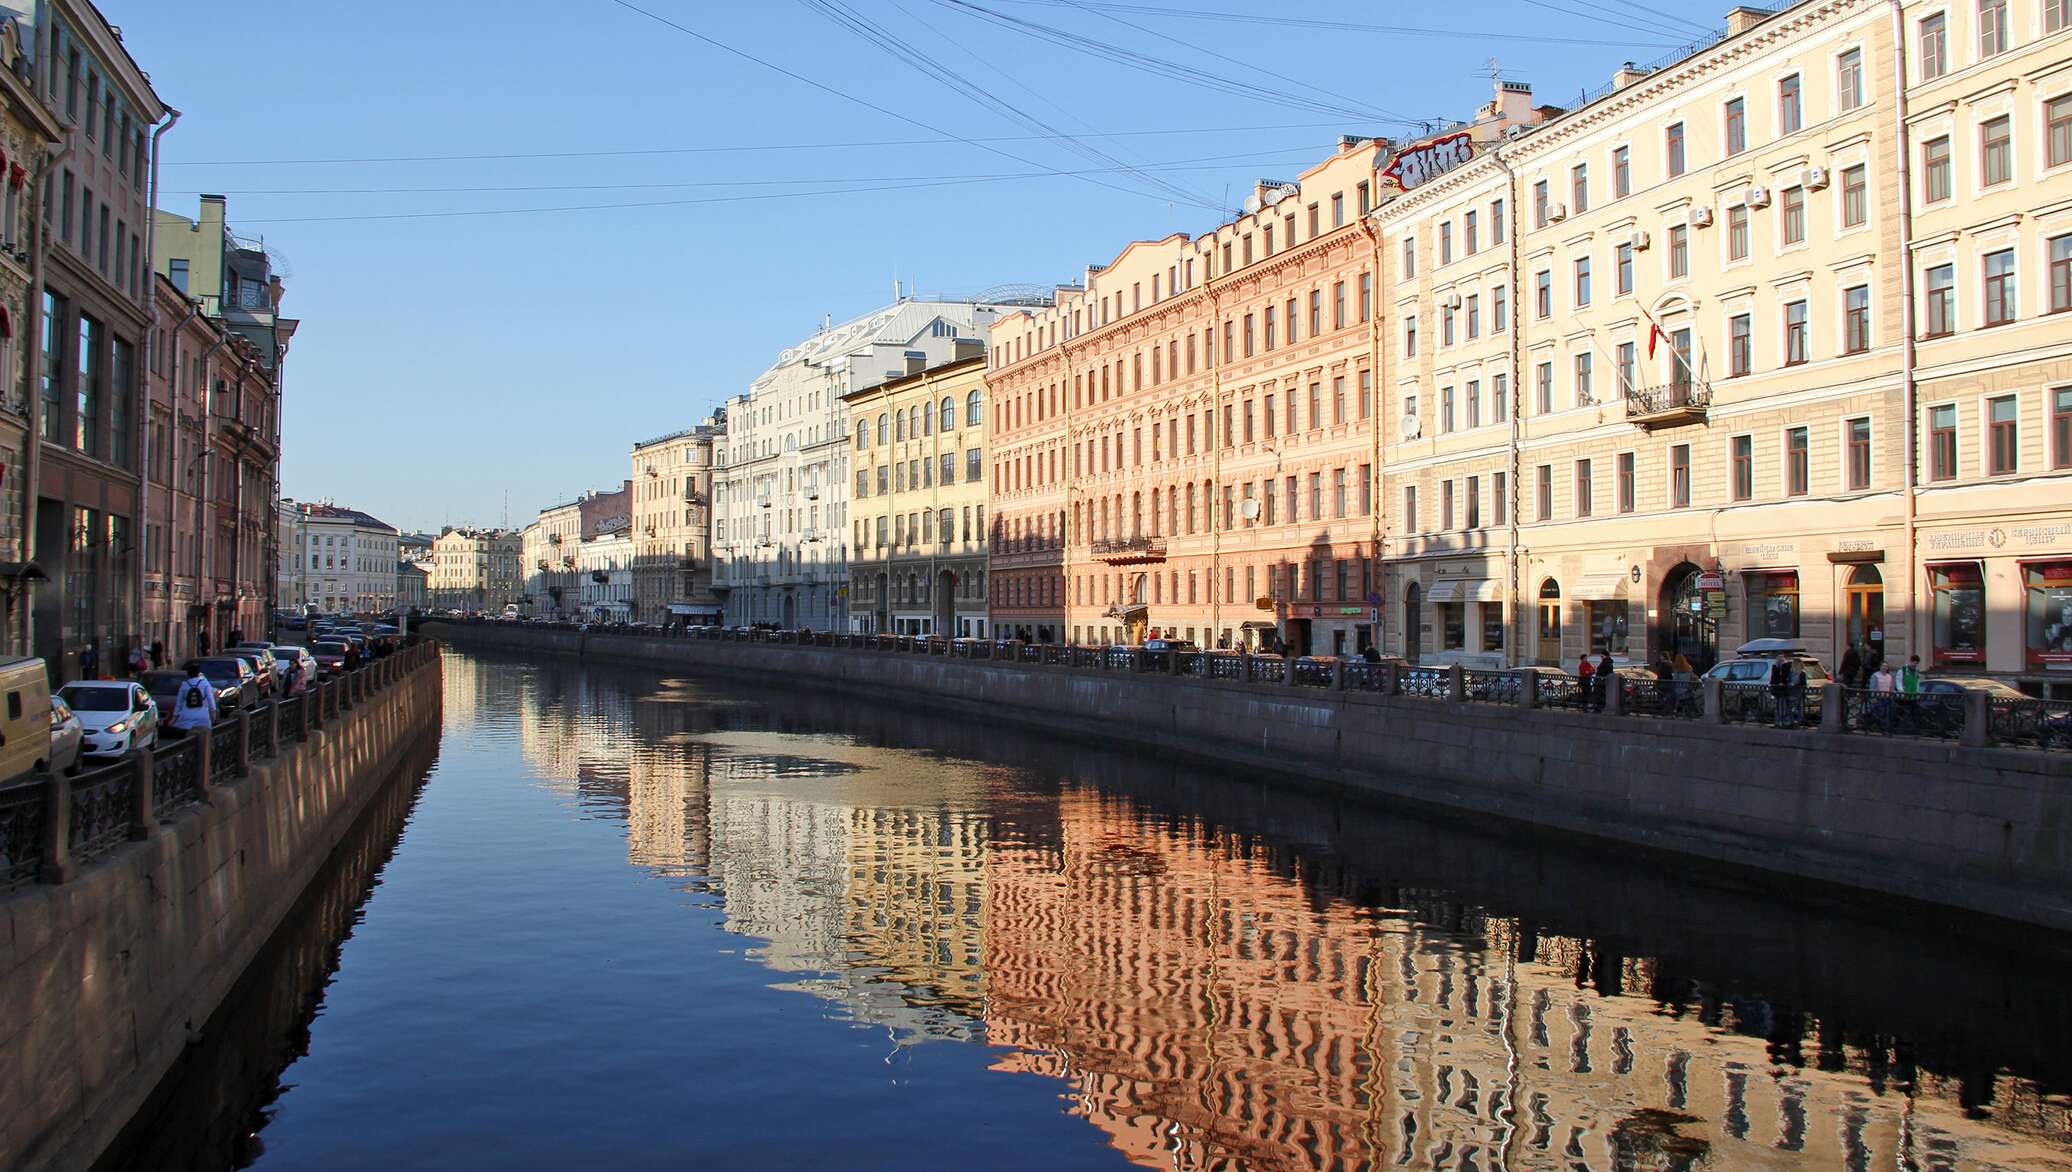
point(1585, 696)
point(1883, 684)
point(194, 706)
point(90, 659)
point(139, 661)
point(201, 641)
point(1910, 677)
point(237, 638)
point(1851, 668)
point(157, 654)
point(1607, 677)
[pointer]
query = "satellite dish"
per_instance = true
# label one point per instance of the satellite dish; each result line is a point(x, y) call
point(1249, 509)
point(1411, 427)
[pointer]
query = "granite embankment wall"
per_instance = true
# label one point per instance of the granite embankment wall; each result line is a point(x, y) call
point(104, 978)
point(1984, 830)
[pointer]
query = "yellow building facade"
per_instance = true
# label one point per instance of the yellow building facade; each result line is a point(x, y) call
point(918, 504)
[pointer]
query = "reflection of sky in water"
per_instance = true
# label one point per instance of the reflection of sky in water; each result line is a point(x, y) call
point(1207, 973)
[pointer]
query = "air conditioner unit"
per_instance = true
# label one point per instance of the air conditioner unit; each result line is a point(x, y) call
point(1640, 240)
point(812, 493)
point(1701, 217)
point(1758, 197)
point(1452, 300)
point(1814, 178)
point(1557, 212)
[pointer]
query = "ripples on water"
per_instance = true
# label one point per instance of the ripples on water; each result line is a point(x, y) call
point(874, 938)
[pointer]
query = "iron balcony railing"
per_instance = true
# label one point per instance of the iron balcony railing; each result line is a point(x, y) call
point(1669, 401)
point(1130, 549)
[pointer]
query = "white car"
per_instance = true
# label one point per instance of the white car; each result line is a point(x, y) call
point(115, 716)
point(305, 664)
point(65, 737)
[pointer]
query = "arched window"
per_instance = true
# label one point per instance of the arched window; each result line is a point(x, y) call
point(899, 425)
point(863, 433)
point(949, 413)
point(974, 410)
point(927, 419)
point(884, 428)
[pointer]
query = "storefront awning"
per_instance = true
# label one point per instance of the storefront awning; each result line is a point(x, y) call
point(1600, 587)
point(1463, 590)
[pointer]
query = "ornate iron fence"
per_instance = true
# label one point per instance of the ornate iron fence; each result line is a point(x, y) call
point(24, 828)
point(2041, 724)
point(223, 751)
point(1493, 687)
point(1268, 669)
point(1674, 699)
point(291, 718)
point(263, 732)
point(1939, 714)
point(1430, 682)
point(1361, 676)
point(103, 804)
point(175, 777)
point(1224, 667)
point(1558, 691)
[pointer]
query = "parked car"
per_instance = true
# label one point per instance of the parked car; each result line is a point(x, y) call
point(331, 657)
point(1751, 665)
point(114, 716)
point(24, 717)
point(262, 671)
point(234, 681)
point(65, 737)
point(164, 686)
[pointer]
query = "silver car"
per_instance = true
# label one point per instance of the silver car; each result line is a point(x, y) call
point(65, 737)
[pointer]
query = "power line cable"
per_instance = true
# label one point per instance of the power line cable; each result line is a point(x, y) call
point(1341, 25)
point(1607, 16)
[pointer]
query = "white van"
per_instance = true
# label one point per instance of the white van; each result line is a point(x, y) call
point(24, 717)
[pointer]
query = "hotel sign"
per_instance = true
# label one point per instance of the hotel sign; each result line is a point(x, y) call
point(1426, 161)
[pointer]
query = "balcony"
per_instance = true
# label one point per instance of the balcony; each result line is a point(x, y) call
point(1670, 405)
point(1130, 551)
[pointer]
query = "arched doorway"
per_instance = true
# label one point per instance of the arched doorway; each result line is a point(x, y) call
point(1413, 622)
point(1865, 606)
point(945, 603)
point(791, 610)
point(1688, 628)
point(1549, 650)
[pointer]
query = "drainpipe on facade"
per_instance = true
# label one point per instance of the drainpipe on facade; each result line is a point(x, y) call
point(33, 372)
point(1513, 556)
point(143, 430)
point(1375, 481)
point(1216, 475)
point(1903, 152)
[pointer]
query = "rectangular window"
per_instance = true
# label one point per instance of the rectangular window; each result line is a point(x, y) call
point(1500, 398)
point(1539, 204)
point(1935, 170)
point(1858, 455)
point(1856, 319)
point(1446, 243)
point(1338, 401)
point(1623, 267)
point(1445, 505)
point(1366, 296)
point(1996, 151)
point(1582, 281)
point(1446, 325)
point(1795, 466)
point(1472, 393)
point(1544, 384)
point(1579, 188)
point(1468, 232)
point(1474, 503)
point(1269, 328)
point(1737, 126)
point(1625, 482)
point(1409, 508)
point(1585, 393)
point(1410, 337)
point(1737, 232)
point(1500, 306)
point(2057, 131)
point(1338, 210)
point(1794, 333)
point(2057, 14)
point(1500, 498)
point(1743, 467)
point(1855, 202)
point(1992, 28)
point(1543, 294)
point(1474, 316)
point(1622, 172)
point(1543, 503)
point(1849, 80)
point(1680, 476)
point(1445, 410)
point(2061, 427)
point(87, 371)
point(1584, 493)
point(1942, 442)
point(1935, 47)
point(1740, 345)
point(1679, 251)
point(1941, 318)
point(1338, 305)
point(1628, 363)
point(2002, 437)
point(2000, 293)
point(1496, 217)
point(1794, 215)
point(1673, 148)
point(1789, 115)
point(2061, 272)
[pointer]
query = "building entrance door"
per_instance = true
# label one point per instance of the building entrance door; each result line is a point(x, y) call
point(1549, 652)
point(1866, 607)
point(1689, 629)
point(945, 602)
point(1413, 622)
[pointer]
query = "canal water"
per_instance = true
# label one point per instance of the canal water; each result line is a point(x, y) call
point(627, 920)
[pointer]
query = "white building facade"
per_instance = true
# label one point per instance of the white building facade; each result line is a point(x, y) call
point(345, 560)
point(606, 563)
point(781, 508)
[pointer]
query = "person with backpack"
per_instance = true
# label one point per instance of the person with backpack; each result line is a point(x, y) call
point(194, 706)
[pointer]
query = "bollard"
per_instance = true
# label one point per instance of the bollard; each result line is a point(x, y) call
point(1391, 679)
point(1833, 713)
point(309, 696)
point(143, 818)
point(1338, 675)
point(1172, 667)
point(1614, 690)
point(57, 829)
point(244, 742)
point(1244, 666)
point(1715, 701)
point(1288, 671)
point(1978, 719)
point(1528, 687)
point(273, 727)
point(203, 740)
point(1457, 683)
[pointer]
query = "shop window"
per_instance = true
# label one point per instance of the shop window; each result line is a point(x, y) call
point(1493, 625)
point(1773, 604)
point(1959, 590)
point(1453, 625)
point(2049, 587)
point(1608, 626)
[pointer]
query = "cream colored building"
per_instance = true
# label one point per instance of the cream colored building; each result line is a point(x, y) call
point(917, 506)
point(475, 569)
point(606, 564)
point(1650, 368)
point(672, 526)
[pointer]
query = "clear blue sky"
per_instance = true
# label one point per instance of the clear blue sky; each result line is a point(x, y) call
point(447, 364)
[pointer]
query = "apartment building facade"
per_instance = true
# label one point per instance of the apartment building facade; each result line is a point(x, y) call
point(672, 526)
point(475, 569)
point(1184, 445)
point(347, 558)
point(1663, 381)
point(781, 511)
point(917, 503)
point(27, 128)
point(551, 574)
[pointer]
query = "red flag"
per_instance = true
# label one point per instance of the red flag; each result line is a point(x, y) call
point(1654, 332)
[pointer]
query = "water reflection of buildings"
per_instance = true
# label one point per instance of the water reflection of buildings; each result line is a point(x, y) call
point(1209, 1005)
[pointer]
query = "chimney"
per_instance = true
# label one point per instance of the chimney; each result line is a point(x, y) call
point(1513, 104)
point(1627, 75)
point(1740, 20)
point(916, 361)
point(966, 348)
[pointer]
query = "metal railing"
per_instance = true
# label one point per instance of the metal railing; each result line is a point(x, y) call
point(24, 829)
point(1674, 699)
point(1552, 691)
point(1493, 687)
point(1668, 398)
point(224, 741)
point(2040, 724)
point(1433, 683)
point(104, 803)
point(175, 777)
